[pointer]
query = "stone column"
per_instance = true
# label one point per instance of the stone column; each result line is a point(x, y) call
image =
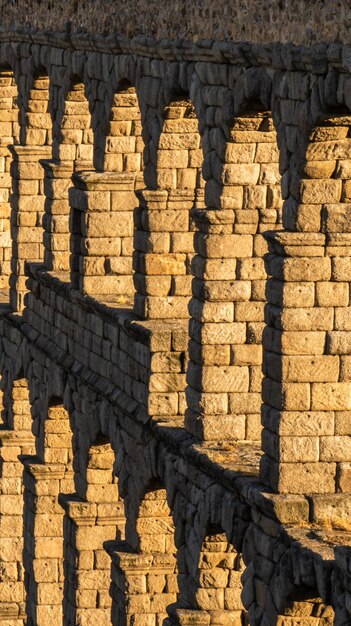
point(163, 242)
point(219, 359)
point(142, 586)
point(43, 542)
point(102, 205)
point(87, 567)
point(307, 386)
point(57, 181)
point(27, 202)
point(12, 590)
point(5, 213)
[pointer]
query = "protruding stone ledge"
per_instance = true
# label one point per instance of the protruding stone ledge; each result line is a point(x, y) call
point(9, 611)
point(85, 513)
point(296, 243)
point(331, 510)
point(213, 216)
point(314, 58)
point(98, 181)
point(189, 617)
point(56, 169)
point(81, 512)
point(122, 556)
point(12, 438)
point(43, 471)
point(30, 153)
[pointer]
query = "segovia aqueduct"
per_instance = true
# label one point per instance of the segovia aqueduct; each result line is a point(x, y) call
point(175, 316)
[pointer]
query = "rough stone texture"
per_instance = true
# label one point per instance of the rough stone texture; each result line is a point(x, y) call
point(259, 21)
point(179, 255)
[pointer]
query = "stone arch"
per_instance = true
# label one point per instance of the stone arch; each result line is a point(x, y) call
point(309, 265)
point(93, 515)
point(217, 584)
point(28, 198)
point(9, 136)
point(293, 598)
point(73, 139)
point(47, 475)
point(108, 197)
point(243, 197)
point(149, 550)
point(179, 157)
point(99, 484)
point(16, 402)
point(211, 555)
point(320, 175)
point(285, 584)
point(16, 440)
point(54, 438)
point(304, 606)
point(74, 148)
point(36, 126)
point(124, 146)
point(164, 227)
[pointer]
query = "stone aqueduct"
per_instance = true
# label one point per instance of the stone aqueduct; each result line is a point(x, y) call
point(175, 272)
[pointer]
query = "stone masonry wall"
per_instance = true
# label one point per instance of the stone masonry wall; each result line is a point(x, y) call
point(175, 443)
point(243, 20)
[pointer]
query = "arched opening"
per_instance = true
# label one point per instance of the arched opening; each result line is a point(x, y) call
point(229, 289)
point(16, 405)
point(307, 355)
point(73, 137)
point(214, 582)
point(16, 440)
point(47, 475)
point(305, 607)
point(73, 145)
point(108, 198)
point(28, 198)
point(179, 154)
point(150, 552)
point(320, 188)
point(9, 136)
point(37, 126)
point(90, 521)
point(164, 239)
point(124, 142)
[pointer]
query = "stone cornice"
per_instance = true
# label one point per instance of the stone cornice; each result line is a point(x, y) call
point(317, 58)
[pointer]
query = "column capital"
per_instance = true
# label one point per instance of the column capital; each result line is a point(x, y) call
point(12, 438)
point(295, 243)
point(81, 512)
point(213, 217)
point(30, 153)
point(123, 557)
point(172, 198)
point(57, 169)
point(113, 181)
point(152, 198)
point(43, 471)
point(189, 617)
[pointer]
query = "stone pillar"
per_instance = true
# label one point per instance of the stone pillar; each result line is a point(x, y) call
point(163, 243)
point(217, 340)
point(87, 526)
point(43, 542)
point(12, 590)
point(27, 203)
point(5, 214)
point(307, 386)
point(143, 586)
point(102, 205)
point(57, 181)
